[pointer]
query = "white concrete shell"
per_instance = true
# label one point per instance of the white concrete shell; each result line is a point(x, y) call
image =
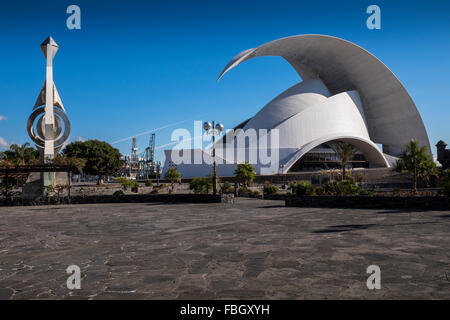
point(392, 117)
point(346, 94)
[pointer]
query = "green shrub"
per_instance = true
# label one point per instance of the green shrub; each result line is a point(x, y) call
point(201, 185)
point(227, 188)
point(270, 189)
point(118, 193)
point(364, 192)
point(128, 183)
point(346, 187)
point(349, 187)
point(320, 191)
point(303, 188)
point(332, 187)
point(148, 183)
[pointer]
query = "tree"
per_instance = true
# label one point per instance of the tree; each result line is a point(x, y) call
point(417, 162)
point(173, 175)
point(20, 154)
point(345, 152)
point(76, 164)
point(101, 158)
point(245, 174)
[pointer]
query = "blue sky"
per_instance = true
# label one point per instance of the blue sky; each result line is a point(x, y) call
point(139, 65)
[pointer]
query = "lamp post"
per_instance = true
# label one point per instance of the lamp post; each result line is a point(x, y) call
point(158, 169)
point(213, 130)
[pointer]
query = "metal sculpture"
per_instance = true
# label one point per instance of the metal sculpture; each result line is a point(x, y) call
point(49, 134)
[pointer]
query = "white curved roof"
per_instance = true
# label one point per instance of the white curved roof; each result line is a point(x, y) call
point(391, 115)
point(307, 119)
point(289, 103)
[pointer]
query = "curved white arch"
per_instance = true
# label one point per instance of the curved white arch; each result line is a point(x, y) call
point(370, 150)
point(309, 121)
point(392, 117)
point(332, 116)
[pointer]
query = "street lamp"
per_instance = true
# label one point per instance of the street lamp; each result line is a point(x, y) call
point(213, 130)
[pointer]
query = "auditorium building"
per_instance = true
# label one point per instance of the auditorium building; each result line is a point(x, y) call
point(346, 94)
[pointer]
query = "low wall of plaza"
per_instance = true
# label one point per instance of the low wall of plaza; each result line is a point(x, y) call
point(370, 202)
point(126, 198)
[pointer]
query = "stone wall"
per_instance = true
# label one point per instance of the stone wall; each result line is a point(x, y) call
point(174, 198)
point(374, 202)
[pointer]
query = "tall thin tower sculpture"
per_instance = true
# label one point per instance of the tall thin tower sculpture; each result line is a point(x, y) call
point(49, 47)
point(48, 134)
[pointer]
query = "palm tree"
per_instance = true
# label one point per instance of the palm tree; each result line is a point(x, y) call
point(20, 155)
point(173, 175)
point(416, 160)
point(345, 152)
point(19, 152)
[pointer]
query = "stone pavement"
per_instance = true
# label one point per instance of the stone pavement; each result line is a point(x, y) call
point(253, 249)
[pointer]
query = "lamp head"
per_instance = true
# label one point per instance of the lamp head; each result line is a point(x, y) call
point(219, 127)
point(207, 126)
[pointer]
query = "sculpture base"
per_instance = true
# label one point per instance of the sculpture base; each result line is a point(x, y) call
point(34, 187)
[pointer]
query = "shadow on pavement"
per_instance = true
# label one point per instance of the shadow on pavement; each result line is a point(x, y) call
point(344, 228)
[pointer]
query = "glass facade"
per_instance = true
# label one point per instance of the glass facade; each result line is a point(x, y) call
point(323, 157)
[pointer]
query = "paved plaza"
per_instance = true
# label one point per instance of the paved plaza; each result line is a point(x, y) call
point(253, 249)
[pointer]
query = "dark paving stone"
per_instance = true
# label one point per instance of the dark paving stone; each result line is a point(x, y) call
point(158, 278)
point(253, 249)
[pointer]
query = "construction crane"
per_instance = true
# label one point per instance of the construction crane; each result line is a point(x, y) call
point(148, 165)
point(150, 151)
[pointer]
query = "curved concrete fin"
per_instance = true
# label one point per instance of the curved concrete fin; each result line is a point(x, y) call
point(241, 57)
point(392, 117)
